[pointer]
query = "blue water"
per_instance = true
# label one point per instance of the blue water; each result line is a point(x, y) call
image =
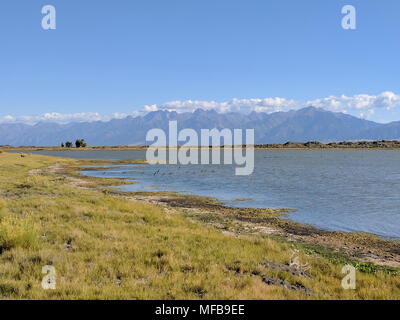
point(347, 190)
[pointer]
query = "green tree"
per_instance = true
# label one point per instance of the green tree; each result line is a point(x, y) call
point(68, 144)
point(80, 143)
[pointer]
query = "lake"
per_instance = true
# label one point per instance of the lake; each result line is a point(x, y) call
point(346, 190)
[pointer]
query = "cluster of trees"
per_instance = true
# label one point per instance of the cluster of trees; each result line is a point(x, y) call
point(79, 143)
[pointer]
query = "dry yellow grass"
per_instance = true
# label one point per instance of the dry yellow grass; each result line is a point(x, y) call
point(106, 247)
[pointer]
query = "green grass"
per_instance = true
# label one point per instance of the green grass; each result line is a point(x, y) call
point(104, 246)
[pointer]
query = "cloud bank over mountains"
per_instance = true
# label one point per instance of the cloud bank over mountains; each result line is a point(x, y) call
point(62, 118)
point(361, 105)
point(307, 124)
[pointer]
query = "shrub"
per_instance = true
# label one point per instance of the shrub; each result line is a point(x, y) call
point(15, 231)
point(2, 209)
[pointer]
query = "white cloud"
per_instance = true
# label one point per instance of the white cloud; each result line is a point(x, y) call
point(7, 118)
point(62, 118)
point(362, 105)
point(268, 105)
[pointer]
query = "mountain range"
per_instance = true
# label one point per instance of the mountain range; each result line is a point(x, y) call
point(308, 124)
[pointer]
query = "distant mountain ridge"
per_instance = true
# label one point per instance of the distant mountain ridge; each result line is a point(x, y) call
point(308, 124)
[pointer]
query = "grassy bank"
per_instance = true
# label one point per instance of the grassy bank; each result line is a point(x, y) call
point(115, 246)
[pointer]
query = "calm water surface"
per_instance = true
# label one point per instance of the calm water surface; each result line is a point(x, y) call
point(348, 190)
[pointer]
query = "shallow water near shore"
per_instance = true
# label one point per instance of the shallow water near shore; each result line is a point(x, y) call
point(344, 190)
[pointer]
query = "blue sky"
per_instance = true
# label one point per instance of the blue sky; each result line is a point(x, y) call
point(119, 56)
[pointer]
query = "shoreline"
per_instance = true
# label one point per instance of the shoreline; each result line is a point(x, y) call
point(364, 246)
point(221, 203)
point(122, 181)
point(110, 244)
point(311, 145)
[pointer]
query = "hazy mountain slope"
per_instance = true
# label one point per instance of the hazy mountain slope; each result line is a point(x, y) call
point(311, 124)
point(307, 124)
point(390, 131)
